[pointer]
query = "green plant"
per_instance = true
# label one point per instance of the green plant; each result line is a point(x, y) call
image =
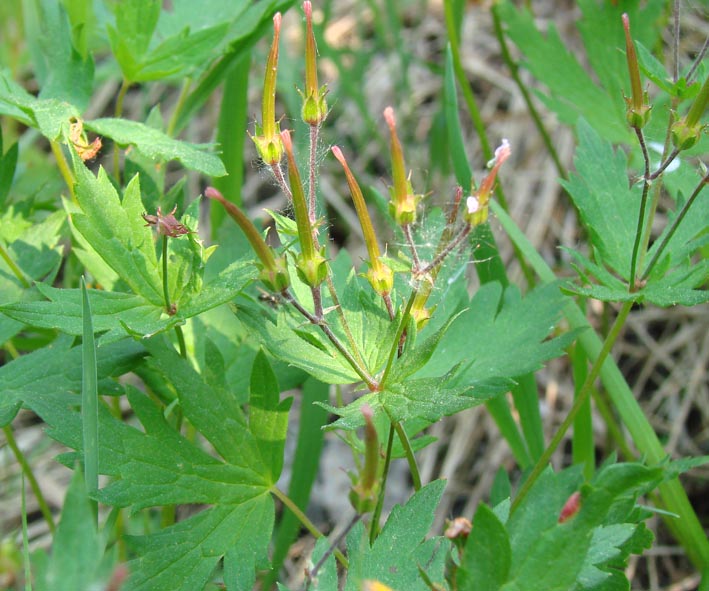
point(214, 357)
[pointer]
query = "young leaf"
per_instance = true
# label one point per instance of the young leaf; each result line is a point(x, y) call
point(399, 550)
point(117, 232)
point(158, 146)
point(135, 23)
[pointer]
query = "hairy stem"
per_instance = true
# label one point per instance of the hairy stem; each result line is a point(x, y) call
point(374, 526)
point(641, 215)
point(675, 224)
point(359, 369)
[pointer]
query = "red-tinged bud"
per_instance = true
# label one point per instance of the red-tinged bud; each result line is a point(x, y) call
point(274, 270)
point(379, 275)
point(638, 113)
point(166, 224)
point(363, 495)
point(477, 204)
point(571, 507)
point(403, 199)
point(687, 131)
point(311, 264)
point(460, 527)
point(267, 138)
point(314, 110)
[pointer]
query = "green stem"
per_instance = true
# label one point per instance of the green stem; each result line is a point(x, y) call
point(374, 526)
point(118, 112)
point(64, 169)
point(184, 92)
point(399, 333)
point(25, 540)
point(675, 224)
point(641, 215)
point(17, 272)
point(410, 457)
point(168, 305)
point(165, 288)
point(579, 403)
point(27, 471)
point(303, 518)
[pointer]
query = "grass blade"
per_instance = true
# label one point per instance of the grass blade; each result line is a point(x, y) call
point(89, 396)
point(231, 136)
point(305, 466)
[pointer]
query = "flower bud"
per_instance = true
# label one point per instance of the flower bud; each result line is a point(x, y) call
point(274, 271)
point(571, 507)
point(267, 139)
point(638, 113)
point(379, 275)
point(403, 200)
point(363, 495)
point(476, 205)
point(687, 131)
point(314, 110)
point(311, 264)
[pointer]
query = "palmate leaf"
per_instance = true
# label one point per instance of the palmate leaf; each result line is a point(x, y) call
point(609, 210)
point(290, 339)
point(499, 336)
point(54, 373)
point(473, 357)
point(399, 550)
point(157, 466)
point(425, 399)
point(157, 145)
point(118, 314)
